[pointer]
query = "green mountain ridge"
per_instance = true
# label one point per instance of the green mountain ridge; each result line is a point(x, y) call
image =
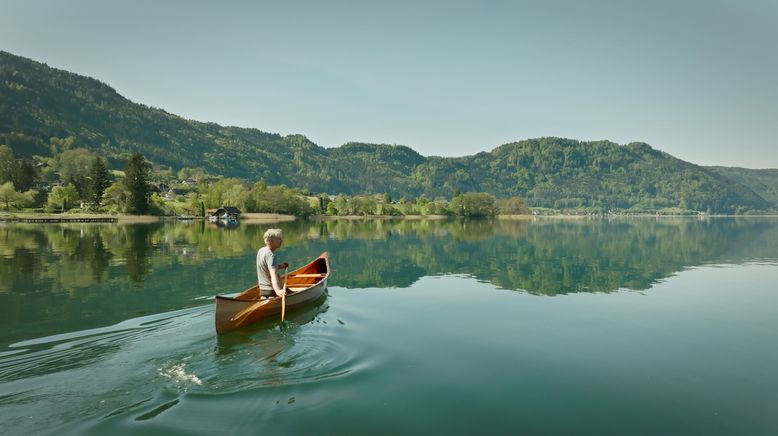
point(763, 182)
point(44, 111)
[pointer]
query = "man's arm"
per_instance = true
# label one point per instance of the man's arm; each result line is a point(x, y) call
point(274, 279)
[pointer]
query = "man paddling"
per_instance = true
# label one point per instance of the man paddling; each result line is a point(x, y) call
point(268, 270)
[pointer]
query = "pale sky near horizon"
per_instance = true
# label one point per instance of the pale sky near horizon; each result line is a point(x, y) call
point(696, 79)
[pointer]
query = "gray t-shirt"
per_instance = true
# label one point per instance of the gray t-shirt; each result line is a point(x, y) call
point(265, 260)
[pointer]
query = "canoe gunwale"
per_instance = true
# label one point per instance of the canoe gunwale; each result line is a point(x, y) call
point(227, 311)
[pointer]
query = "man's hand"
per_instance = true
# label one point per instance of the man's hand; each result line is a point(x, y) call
point(284, 265)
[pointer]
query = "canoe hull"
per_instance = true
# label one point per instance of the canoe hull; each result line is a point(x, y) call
point(308, 284)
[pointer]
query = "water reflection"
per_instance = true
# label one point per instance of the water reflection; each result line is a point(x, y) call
point(546, 257)
point(85, 275)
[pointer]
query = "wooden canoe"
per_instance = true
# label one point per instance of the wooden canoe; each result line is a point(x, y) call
point(305, 284)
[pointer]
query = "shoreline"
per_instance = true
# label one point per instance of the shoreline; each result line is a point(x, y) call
point(43, 218)
point(254, 218)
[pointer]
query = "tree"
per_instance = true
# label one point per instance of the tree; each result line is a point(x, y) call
point(228, 192)
point(74, 167)
point(25, 175)
point(438, 207)
point(191, 173)
point(194, 205)
point(473, 204)
point(63, 196)
point(513, 206)
point(364, 205)
point(21, 172)
point(276, 199)
point(99, 180)
point(7, 164)
point(117, 197)
point(324, 201)
point(10, 197)
point(136, 180)
point(423, 204)
point(255, 201)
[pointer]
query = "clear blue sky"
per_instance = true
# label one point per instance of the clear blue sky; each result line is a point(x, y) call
point(697, 79)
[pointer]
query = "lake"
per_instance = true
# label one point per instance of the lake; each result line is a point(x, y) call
point(590, 326)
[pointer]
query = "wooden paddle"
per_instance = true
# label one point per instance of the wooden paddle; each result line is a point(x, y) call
point(283, 296)
point(245, 312)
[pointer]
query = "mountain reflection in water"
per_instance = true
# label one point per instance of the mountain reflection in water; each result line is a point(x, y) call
point(89, 275)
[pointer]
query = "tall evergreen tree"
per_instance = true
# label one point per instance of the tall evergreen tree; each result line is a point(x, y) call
point(26, 175)
point(137, 182)
point(99, 180)
point(7, 164)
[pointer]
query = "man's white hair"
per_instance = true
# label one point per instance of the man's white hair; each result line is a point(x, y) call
point(273, 234)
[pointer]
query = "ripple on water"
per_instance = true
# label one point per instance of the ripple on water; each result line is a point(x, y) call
point(139, 369)
point(81, 349)
point(287, 355)
point(156, 411)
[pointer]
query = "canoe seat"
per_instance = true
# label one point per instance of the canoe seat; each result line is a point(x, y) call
point(297, 288)
point(307, 275)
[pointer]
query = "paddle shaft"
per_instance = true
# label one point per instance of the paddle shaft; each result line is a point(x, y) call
point(245, 312)
point(283, 296)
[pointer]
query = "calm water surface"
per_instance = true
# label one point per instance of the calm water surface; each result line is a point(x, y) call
point(639, 326)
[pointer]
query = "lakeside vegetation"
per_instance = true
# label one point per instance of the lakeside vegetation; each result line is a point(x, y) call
point(79, 180)
point(55, 124)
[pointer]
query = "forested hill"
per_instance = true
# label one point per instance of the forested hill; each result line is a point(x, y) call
point(44, 111)
point(764, 181)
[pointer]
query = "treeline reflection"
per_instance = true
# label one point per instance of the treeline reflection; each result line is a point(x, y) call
point(550, 256)
point(80, 276)
point(544, 257)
